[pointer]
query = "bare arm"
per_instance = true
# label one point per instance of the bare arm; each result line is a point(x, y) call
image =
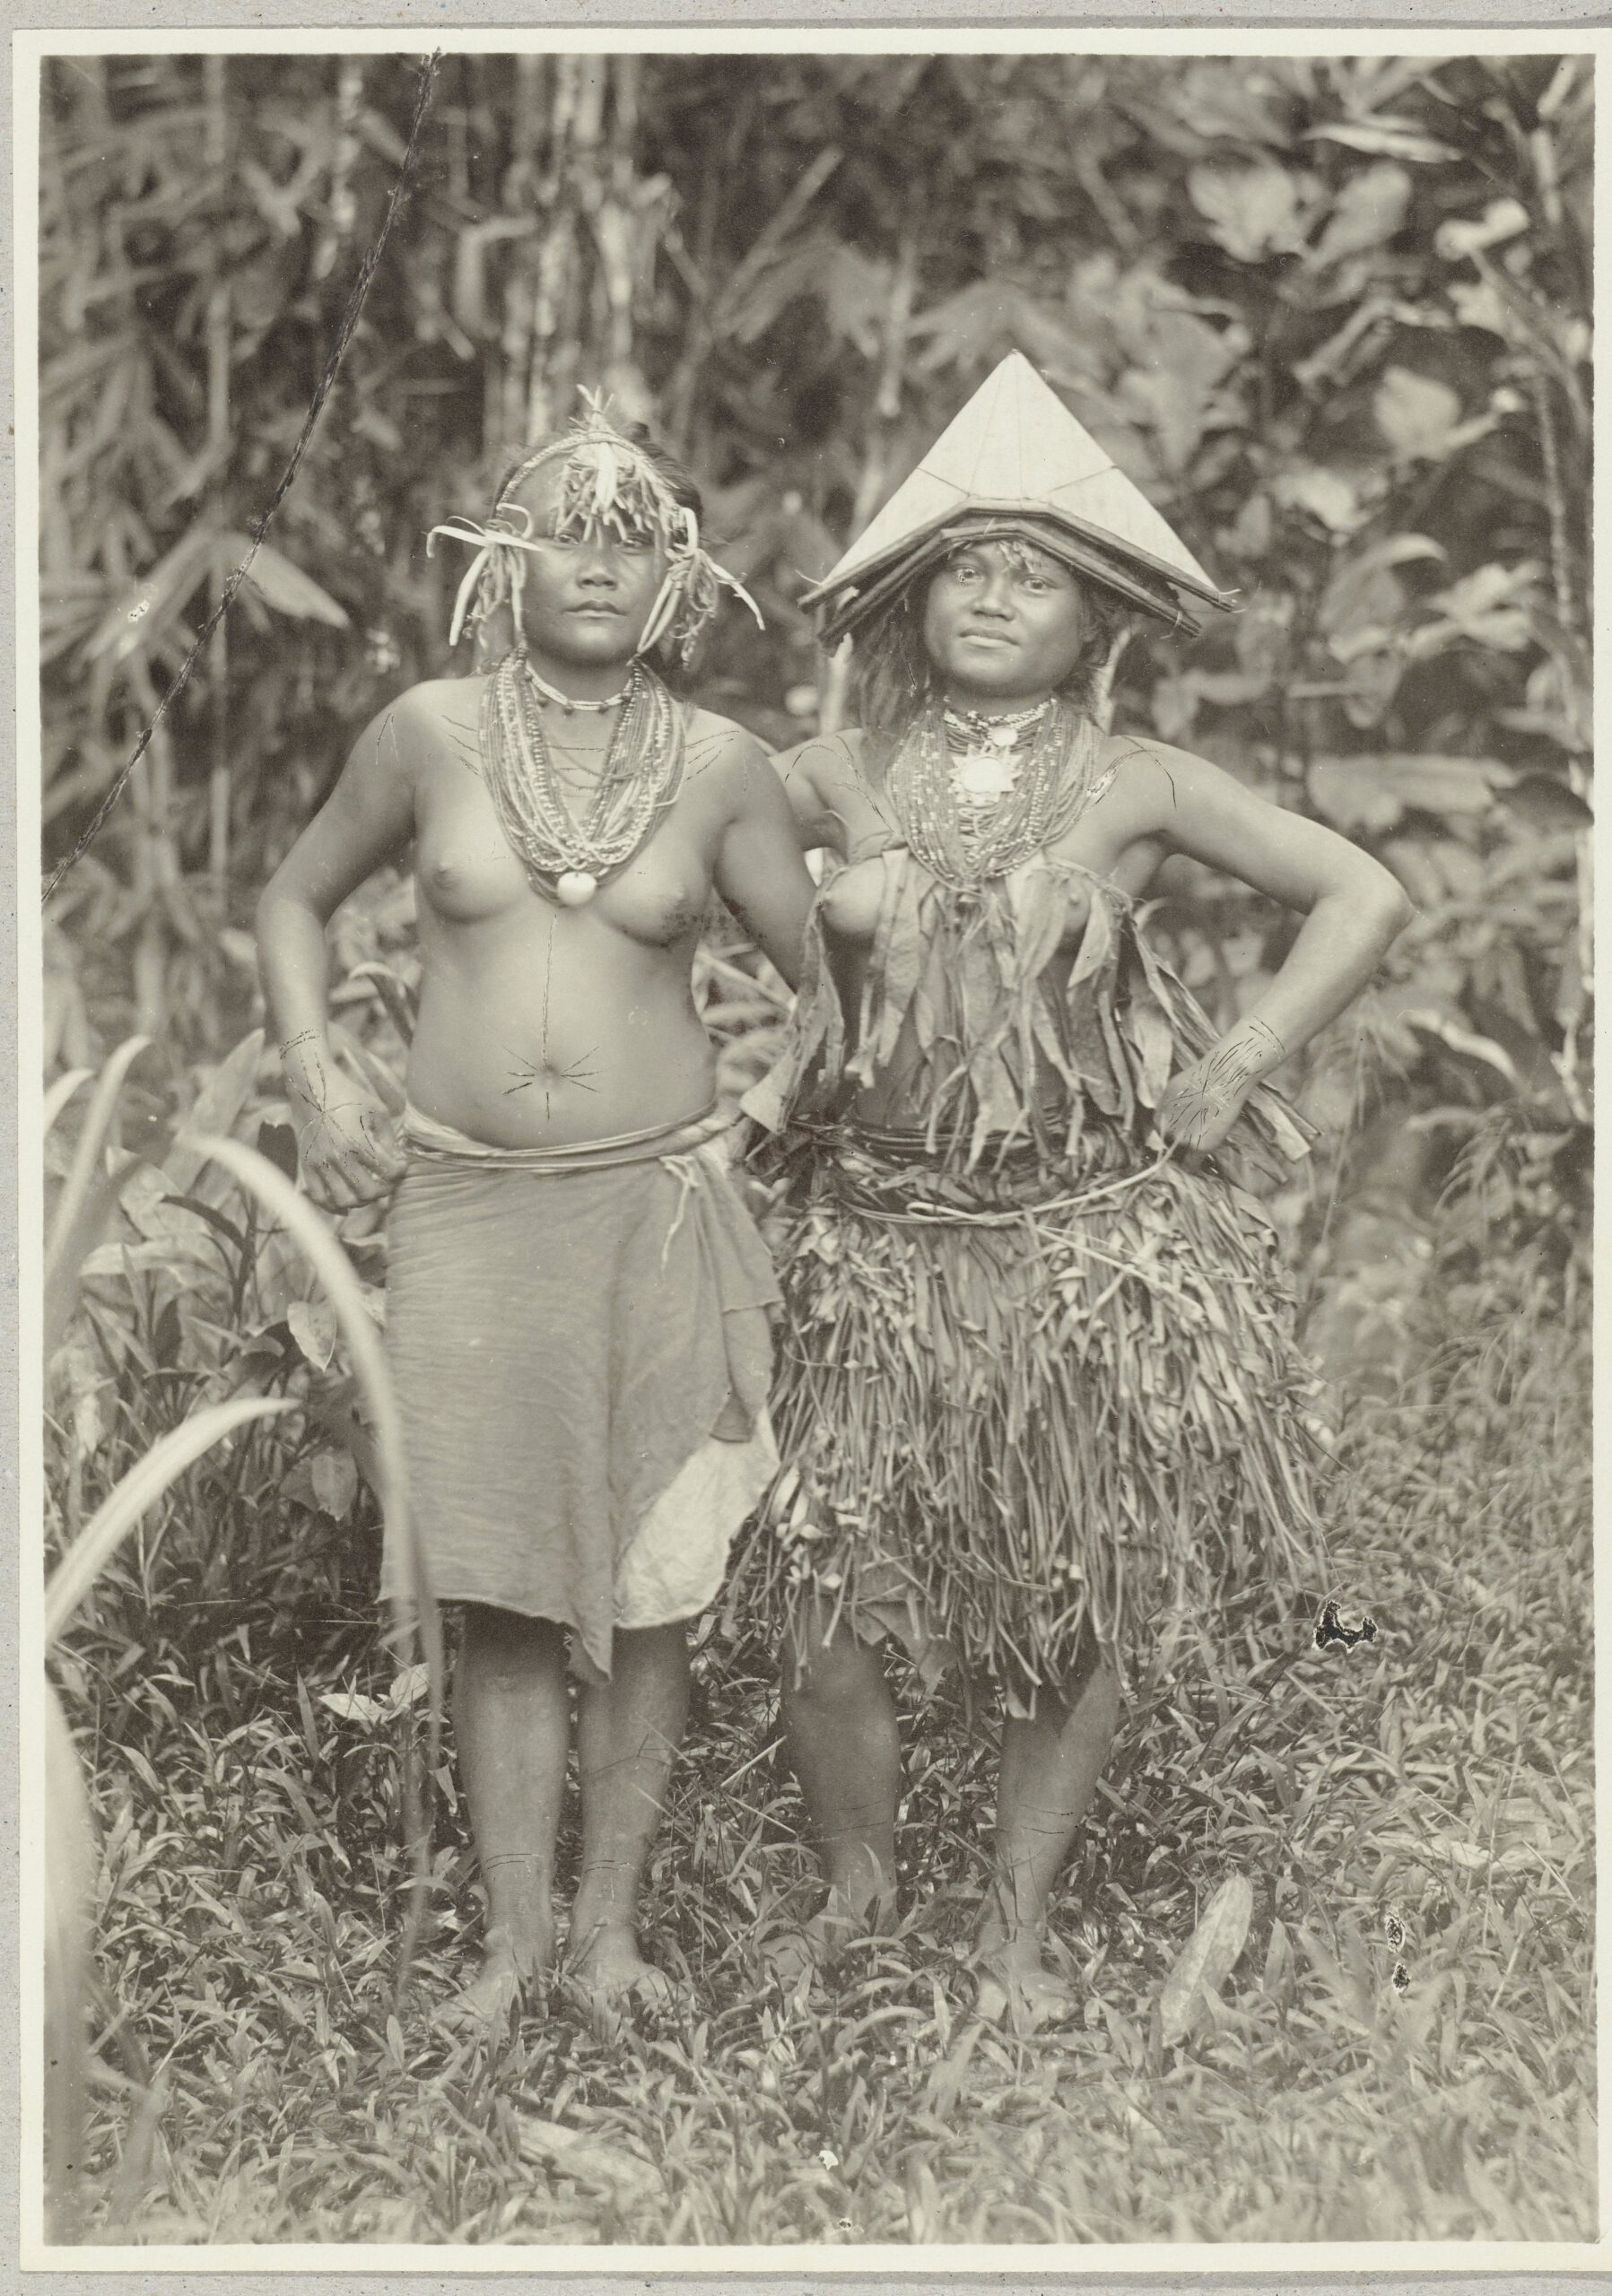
point(810, 774)
point(368, 818)
point(1353, 910)
point(759, 871)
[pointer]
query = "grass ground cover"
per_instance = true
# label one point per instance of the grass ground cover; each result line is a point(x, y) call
point(1404, 2051)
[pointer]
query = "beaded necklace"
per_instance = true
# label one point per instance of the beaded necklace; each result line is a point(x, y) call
point(966, 835)
point(642, 774)
point(986, 757)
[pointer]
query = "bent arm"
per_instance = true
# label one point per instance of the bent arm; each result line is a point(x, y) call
point(759, 871)
point(368, 818)
point(1353, 909)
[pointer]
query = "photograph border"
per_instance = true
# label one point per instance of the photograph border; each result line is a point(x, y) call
point(1501, 2265)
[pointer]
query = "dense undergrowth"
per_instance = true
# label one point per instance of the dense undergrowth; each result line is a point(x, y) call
point(1332, 313)
point(1404, 2052)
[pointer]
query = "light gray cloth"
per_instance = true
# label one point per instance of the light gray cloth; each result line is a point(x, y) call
point(564, 1343)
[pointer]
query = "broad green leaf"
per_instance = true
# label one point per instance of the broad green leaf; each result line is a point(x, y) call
point(608, 2168)
point(1362, 592)
point(313, 1326)
point(1548, 802)
point(1461, 236)
point(1209, 1956)
point(1368, 209)
point(1252, 212)
point(285, 586)
point(1325, 494)
point(1416, 415)
point(1373, 794)
point(140, 1489)
point(277, 1196)
point(88, 1195)
point(856, 289)
point(334, 1482)
point(1394, 139)
point(145, 615)
point(60, 1092)
point(352, 1706)
point(223, 1094)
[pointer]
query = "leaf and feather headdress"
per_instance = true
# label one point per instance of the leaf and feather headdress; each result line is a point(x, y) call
point(609, 484)
point(1016, 463)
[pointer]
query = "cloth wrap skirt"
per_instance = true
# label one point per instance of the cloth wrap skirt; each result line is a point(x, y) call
point(580, 1343)
point(1027, 1407)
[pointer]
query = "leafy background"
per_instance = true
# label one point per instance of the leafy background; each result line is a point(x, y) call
point(1333, 315)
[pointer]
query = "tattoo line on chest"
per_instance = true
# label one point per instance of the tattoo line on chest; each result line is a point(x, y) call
point(543, 1073)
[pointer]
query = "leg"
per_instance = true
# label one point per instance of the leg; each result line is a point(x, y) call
point(511, 1721)
point(629, 1729)
point(840, 1722)
point(1049, 1771)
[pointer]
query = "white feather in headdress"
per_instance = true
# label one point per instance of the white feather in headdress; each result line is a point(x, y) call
point(609, 484)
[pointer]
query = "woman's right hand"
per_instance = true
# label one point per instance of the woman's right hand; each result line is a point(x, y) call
point(349, 1150)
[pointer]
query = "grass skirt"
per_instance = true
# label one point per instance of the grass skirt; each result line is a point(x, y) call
point(1022, 1404)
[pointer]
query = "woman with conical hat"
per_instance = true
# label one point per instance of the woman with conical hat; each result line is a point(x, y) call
point(576, 1299)
point(1036, 1383)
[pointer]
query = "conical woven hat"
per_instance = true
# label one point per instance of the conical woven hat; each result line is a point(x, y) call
point(1015, 448)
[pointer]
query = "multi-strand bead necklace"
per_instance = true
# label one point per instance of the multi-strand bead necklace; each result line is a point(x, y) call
point(567, 860)
point(977, 795)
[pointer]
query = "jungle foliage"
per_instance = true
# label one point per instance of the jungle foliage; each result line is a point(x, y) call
point(1333, 315)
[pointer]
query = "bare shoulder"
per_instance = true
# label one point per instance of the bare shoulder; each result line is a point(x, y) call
point(715, 741)
point(721, 758)
point(823, 764)
point(432, 724)
point(1154, 780)
point(436, 703)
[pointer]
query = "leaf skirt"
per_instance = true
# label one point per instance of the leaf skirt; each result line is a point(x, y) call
point(1022, 1407)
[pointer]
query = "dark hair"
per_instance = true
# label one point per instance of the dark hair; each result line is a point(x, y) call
point(892, 676)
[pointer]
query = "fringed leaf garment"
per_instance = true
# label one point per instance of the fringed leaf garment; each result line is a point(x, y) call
point(1036, 1376)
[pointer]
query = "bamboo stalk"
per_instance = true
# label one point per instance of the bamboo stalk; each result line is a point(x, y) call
point(218, 448)
point(872, 485)
point(1560, 550)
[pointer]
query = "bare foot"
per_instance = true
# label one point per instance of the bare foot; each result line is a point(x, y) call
point(608, 1970)
point(797, 1952)
point(1017, 1989)
point(818, 1942)
point(492, 1998)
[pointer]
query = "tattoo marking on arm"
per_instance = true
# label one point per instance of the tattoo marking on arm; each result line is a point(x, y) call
point(1229, 1067)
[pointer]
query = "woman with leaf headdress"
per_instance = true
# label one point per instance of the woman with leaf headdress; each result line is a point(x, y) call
point(1037, 1387)
point(576, 1298)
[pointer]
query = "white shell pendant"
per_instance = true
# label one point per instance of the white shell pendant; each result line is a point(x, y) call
point(984, 777)
point(575, 886)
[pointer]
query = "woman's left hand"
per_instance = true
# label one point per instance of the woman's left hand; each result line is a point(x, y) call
point(1202, 1104)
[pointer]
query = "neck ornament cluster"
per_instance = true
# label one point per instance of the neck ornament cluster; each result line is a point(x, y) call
point(975, 796)
point(567, 859)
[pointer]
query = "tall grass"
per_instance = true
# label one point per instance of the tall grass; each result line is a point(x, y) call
point(83, 1205)
point(1403, 2050)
